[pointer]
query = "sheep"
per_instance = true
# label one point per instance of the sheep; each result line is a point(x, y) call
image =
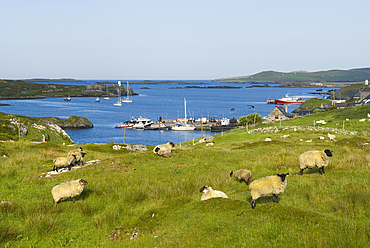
point(242, 175)
point(62, 161)
point(268, 139)
point(210, 144)
point(164, 150)
point(315, 158)
point(75, 150)
point(321, 137)
point(66, 190)
point(266, 186)
point(208, 193)
point(80, 154)
point(331, 137)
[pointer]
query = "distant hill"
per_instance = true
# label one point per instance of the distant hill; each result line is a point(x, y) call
point(353, 75)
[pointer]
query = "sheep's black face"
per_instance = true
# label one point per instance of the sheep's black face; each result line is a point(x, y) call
point(328, 152)
point(83, 182)
point(157, 149)
point(203, 189)
point(231, 173)
point(283, 176)
point(172, 144)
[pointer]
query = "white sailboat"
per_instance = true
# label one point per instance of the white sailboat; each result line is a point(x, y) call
point(127, 99)
point(185, 126)
point(119, 102)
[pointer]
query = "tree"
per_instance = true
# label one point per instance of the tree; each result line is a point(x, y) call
point(250, 119)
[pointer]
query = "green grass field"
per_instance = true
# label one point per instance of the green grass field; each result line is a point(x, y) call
point(160, 196)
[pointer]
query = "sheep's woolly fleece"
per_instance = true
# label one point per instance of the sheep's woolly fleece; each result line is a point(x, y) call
point(65, 169)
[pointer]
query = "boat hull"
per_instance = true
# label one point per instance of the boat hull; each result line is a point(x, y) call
point(287, 102)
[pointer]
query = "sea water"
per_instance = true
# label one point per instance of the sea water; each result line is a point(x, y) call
point(154, 101)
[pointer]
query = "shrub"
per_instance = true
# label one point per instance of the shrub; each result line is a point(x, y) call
point(331, 108)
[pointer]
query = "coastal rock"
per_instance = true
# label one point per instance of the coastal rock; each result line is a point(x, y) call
point(71, 122)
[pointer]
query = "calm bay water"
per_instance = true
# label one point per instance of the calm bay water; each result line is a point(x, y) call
point(160, 100)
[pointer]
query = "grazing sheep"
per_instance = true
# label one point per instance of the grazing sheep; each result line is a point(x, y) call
point(208, 193)
point(321, 137)
point(66, 190)
point(210, 144)
point(361, 120)
point(63, 161)
point(311, 159)
point(331, 137)
point(164, 150)
point(268, 139)
point(80, 154)
point(74, 151)
point(242, 175)
point(266, 186)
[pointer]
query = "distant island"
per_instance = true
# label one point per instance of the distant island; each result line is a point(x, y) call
point(207, 87)
point(353, 75)
point(52, 80)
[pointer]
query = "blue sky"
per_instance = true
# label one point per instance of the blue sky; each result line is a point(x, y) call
point(163, 39)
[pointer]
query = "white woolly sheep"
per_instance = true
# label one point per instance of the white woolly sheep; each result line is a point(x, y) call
point(266, 186)
point(210, 144)
point(331, 137)
point(208, 193)
point(321, 137)
point(66, 190)
point(311, 159)
point(242, 175)
point(164, 150)
point(64, 161)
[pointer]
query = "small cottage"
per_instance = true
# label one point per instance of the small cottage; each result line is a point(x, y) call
point(278, 114)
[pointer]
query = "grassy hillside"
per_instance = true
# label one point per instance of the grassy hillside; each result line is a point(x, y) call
point(354, 75)
point(160, 196)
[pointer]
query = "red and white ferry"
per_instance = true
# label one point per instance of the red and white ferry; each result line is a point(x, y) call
point(289, 100)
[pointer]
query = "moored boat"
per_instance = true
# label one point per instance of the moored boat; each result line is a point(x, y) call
point(289, 100)
point(142, 122)
point(160, 126)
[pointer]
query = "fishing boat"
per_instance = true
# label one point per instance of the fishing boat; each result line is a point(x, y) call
point(185, 126)
point(289, 100)
point(68, 98)
point(97, 99)
point(224, 125)
point(127, 99)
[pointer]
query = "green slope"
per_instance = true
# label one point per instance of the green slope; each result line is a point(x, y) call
point(160, 196)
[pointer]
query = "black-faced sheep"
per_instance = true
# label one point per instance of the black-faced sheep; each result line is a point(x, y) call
point(66, 190)
point(64, 161)
point(242, 175)
point(164, 150)
point(311, 159)
point(79, 153)
point(208, 193)
point(266, 186)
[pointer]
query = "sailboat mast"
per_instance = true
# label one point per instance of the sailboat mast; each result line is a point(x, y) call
point(185, 110)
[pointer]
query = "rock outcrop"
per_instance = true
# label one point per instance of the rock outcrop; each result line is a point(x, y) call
point(72, 122)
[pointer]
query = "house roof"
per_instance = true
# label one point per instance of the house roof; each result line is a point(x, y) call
point(282, 110)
